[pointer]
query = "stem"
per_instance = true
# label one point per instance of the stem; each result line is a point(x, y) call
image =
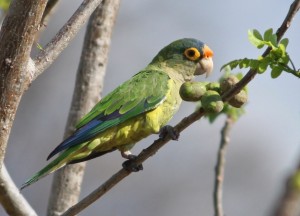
point(220, 167)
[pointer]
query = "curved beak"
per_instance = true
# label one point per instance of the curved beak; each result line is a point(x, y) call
point(205, 65)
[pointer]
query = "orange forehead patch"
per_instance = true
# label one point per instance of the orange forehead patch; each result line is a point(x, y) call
point(207, 52)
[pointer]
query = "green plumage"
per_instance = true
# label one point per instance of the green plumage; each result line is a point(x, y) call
point(139, 107)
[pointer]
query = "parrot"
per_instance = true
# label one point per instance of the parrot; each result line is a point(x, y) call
point(139, 107)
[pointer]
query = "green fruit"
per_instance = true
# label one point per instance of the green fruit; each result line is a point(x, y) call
point(239, 99)
point(215, 86)
point(212, 102)
point(228, 83)
point(192, 91)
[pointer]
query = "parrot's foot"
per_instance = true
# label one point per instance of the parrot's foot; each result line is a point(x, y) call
point(168, 130)
point(130, 165)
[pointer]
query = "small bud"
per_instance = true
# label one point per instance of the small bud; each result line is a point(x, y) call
point(228, 83)
point(211, 101)
point(239, 99)
point(192, 91)
point(215, 86)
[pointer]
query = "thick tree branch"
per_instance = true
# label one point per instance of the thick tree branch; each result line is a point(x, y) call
point(15, 44)
point(16, 38)
point(11, 199)
point(90, 77)
point(220, 167)
point(52, 50)
point(187, 121)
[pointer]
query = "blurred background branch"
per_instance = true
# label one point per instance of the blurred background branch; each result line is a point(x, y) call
point(89, 83)
point(220, 167)
point(289, 202)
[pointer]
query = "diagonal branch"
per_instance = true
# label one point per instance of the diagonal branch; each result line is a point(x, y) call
point(89, 82)
point(61, 40)
point(183, 124)
point(11, 198)
point(220, 167)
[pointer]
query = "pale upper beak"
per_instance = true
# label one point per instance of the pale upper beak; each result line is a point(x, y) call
point(205, 65)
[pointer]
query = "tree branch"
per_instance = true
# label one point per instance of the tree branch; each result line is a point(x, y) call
point(61, 40)
point(11, 199)
point(220, 167)
point(16, 38)
point(15, 64)
point(90, 77)
point(183, 124)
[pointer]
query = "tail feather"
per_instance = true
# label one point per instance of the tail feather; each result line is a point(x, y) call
point(51, 167)
point(56, 164)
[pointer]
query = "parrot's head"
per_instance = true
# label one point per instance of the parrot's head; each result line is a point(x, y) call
point(187, 56)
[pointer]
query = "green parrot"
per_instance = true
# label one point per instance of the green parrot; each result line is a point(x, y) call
point(136, 109)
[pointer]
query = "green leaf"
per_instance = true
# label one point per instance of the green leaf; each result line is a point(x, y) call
point(284, 42)
point(270, 37)
point(253, 64)
point(244, 63)
point(232, 64)
point(276, 71)
point(268, 34)
point(257, 42)
point(262, 67)
point(257, 34)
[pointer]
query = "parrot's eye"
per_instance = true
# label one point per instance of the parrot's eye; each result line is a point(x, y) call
point(192, 53)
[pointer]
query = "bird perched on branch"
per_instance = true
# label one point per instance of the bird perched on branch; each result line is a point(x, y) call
point(136, 109)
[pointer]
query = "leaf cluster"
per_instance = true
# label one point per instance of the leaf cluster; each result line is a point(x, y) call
point(278, 59)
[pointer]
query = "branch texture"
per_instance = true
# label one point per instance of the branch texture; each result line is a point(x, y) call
point(220, 168)
point(187, 121)
point(16, 38)
point(89, 83)
point(52, 50)
point(11, 199)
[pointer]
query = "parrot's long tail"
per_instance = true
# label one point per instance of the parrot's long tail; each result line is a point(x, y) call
point(56, 164)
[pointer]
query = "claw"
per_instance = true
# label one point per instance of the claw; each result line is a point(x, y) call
point(168, 131)
point(130, 165)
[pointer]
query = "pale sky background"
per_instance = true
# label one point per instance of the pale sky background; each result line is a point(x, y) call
point(178, 180)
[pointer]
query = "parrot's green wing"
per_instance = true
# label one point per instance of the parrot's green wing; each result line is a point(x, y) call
point(143, 92)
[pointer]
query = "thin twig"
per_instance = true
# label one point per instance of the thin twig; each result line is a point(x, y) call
point(183, 124)
point(220, 167)
point(61, 40)
point(11, 199)
point(89, 82)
